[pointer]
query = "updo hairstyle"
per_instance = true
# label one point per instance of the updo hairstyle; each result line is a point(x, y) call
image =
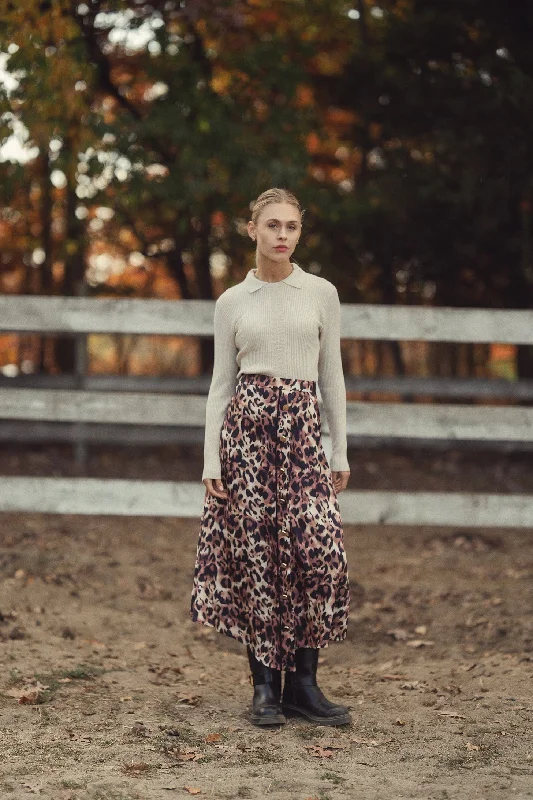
point(273, 196)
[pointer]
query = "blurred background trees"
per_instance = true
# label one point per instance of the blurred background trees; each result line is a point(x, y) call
point(403, 125)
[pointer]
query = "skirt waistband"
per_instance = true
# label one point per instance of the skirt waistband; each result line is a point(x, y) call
point(270, 380)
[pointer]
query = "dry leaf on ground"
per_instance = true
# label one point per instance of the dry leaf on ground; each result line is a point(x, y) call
point(192, 789)
point(331, 744)
point(320, 752)
point(136, 769)
point(190, 755)
point(369, 742)
point(189, 699)
point(27, 694)
point(399, 634)
point(453, 714)
point(419, 643)
point(470, 746)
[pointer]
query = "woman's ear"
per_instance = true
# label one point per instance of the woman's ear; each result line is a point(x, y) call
point(251, 230)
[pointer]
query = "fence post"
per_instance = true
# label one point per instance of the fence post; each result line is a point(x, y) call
point(81, 361)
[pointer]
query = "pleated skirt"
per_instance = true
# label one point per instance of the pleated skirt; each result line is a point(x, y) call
point(271, 567)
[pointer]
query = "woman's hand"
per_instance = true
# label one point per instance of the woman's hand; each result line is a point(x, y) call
point(215, 487)
point(340, 480)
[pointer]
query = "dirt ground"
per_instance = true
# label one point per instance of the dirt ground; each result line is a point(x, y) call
point(109, 692)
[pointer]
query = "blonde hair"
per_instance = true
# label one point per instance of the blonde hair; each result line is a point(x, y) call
point(273, 196)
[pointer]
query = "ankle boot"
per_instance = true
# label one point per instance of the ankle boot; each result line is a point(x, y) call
point(302, 694)
point(266, 709)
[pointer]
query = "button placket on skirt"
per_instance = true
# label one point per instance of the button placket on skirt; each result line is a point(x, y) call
point(283, 529)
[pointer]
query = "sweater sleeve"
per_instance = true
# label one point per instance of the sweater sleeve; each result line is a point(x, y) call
point(222, 386)
point(331, 380)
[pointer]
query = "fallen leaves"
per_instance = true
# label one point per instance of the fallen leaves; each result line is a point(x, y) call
point(33, 693)
point(451, 714)
point(165, 675)
point(320, 752)
point(369, 742)
point(189, 699)
point(149, 590)
point(190, 755)
point(137, 769)
point(139, 729)
point(401, 635)
point(411, 685)
point(326, 748)
point(192, 789)
point(419, 643)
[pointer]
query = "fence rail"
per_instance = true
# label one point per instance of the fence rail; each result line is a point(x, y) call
point(453, 388)
point(28, 313)
point(437, 421)
point(185, 499)
point(176, 405)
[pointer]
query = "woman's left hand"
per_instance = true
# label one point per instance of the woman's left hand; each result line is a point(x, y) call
point(340, 480)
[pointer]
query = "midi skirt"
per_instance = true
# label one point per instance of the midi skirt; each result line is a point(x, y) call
point(271, 567)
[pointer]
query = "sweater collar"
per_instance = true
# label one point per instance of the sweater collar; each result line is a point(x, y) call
point(296, 278)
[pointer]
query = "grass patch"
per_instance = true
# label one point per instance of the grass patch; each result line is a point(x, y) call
point(306, 732)
point(333, 777)
point(470, 760)
point(52, 679)
point(82, 672)
point(138, 769)
point(15, 676)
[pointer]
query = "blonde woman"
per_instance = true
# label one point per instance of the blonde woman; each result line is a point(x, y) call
point(271, 567)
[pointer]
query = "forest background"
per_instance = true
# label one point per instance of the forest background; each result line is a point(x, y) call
point(145, 129)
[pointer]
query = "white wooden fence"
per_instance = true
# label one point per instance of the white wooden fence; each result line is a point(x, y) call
point(195, 318)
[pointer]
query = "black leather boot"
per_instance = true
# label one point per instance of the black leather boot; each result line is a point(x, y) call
point(302, 694)
point(266, 709)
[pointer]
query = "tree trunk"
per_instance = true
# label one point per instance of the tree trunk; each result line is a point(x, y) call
point(45, 272)
point(70, 352)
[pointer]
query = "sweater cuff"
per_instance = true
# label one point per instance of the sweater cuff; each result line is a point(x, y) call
point(339, 464)
point(212, 470)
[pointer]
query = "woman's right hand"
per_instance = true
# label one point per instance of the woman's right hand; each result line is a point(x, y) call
point(215, 487)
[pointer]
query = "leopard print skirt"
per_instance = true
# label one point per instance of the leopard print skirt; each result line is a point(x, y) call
point(271, 566)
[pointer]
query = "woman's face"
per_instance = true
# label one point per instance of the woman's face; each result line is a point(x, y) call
point(277, 231)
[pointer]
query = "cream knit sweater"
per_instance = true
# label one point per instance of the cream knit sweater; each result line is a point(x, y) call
point(287, 329)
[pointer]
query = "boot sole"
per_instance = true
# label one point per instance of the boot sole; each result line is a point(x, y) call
point(278, 719)
point(342, 719)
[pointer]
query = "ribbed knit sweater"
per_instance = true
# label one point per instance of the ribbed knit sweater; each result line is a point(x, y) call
point(286, 329)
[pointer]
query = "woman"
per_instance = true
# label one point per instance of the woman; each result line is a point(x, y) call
point(271, 567)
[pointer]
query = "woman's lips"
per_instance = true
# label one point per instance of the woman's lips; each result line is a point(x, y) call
point(281, 247)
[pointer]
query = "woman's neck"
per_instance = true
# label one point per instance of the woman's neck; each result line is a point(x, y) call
point(272, 271)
